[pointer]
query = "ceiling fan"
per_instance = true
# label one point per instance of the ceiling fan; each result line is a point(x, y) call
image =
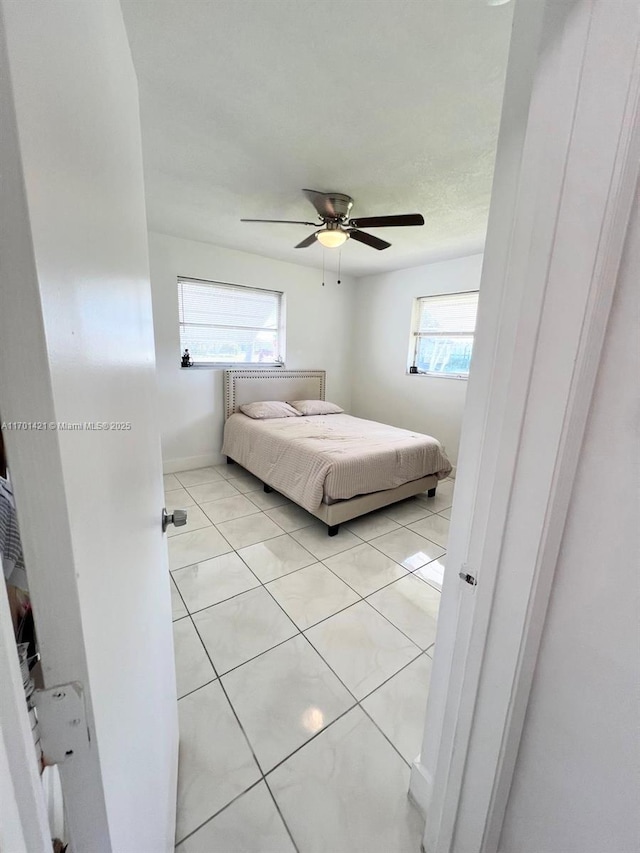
point(333, 210)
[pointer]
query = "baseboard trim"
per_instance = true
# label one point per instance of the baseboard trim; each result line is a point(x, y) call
point(188, 463)
point(420, 787)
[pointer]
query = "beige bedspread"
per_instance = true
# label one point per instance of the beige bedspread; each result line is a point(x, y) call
point(337, 456)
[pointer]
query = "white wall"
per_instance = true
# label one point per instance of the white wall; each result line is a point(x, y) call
point(382, 390)
point(191, 400)
point(576, 785)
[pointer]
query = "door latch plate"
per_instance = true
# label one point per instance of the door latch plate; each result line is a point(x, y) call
point(62, 721)
point(467, 578)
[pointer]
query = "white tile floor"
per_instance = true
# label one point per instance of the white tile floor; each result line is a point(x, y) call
point(303, 665)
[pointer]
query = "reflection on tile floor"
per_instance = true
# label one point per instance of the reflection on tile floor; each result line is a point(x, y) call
point(303, 666)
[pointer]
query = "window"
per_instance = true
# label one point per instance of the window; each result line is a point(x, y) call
point(443, 331)
point(222, 324)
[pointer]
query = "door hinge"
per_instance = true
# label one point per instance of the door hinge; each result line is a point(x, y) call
point(62, 720)
point(467, 578)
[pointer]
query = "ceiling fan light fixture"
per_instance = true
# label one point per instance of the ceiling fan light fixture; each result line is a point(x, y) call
point(334, 228)
point(332, 238)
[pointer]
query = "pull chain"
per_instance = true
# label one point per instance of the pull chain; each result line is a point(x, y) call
point(339, 259)
point(323, 267)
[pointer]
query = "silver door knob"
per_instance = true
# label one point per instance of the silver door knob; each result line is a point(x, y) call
point(178, 518)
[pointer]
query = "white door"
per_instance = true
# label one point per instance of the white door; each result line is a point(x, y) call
point(76, 348)
point(566, 176)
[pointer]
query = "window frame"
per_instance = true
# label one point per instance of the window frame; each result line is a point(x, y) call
point(416, 335)
point(223, 365)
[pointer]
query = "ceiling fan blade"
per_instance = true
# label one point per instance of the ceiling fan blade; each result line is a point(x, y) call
point(368, 239)
point(388, 221)
point(284, 221)
point(308, 241)
point(322, 203)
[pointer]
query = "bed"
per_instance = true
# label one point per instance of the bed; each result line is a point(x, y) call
point(335, 466)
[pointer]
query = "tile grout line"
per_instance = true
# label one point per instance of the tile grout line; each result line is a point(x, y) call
point(384, 586)
point(365, 598)
point(263, 776)
point(315, 735)
point(318, 562)
point(196, 829)
point(234, 551)
point(301, 632)
point(222, 600)
point(200, 686)
point(298, 629)
point(213, 816)
point(184, 603)
point(319, 559)
point(249, 744)
point(386, 737)
point(220, 533)
point(361, 597)
point(279, 810)
point(358, 702)
point(346, 523)
point(341, 610)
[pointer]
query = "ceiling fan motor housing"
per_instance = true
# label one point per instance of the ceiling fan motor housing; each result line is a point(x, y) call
point(340, 203)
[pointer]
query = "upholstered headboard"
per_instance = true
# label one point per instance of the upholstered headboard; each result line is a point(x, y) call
point(252, 386)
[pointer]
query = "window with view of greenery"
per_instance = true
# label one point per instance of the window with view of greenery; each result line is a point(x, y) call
point(225, 324)
point(442, 334)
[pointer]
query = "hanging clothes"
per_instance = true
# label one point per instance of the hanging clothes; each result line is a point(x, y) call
point(10, 544)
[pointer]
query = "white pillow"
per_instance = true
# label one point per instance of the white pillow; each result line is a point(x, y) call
point(269, 409)
point(316, 407)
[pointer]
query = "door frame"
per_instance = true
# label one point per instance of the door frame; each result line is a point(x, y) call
point(560, 209)
point(24, 826)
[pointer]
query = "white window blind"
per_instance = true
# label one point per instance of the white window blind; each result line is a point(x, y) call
point(229, 323)
point(443, 334)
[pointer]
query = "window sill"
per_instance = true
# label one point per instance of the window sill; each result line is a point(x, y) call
point(458, 377)
point(234, 366)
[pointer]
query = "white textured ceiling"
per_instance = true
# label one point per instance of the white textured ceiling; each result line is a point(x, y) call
point(395, 102)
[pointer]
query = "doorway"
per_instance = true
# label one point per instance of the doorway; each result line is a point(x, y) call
point(527, 266)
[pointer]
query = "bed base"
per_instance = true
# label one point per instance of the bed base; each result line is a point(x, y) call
point(333, 515)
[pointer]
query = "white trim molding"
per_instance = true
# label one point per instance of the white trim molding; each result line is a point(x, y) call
point(190, 463)
point(420, 786)
point(566, 176)
point(23, 818)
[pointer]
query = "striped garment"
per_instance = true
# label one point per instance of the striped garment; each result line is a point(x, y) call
point(10, 544)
